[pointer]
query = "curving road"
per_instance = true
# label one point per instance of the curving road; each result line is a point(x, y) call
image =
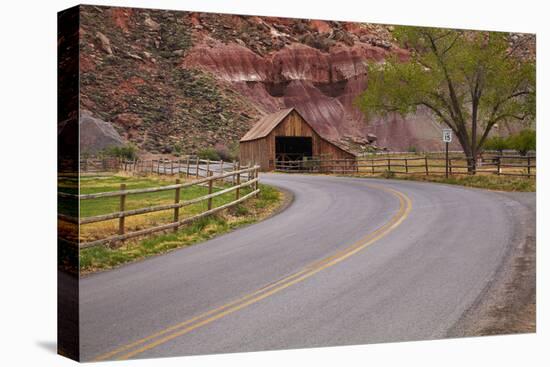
point(350, 261)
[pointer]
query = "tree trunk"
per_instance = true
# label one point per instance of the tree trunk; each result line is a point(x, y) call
point(469, 151)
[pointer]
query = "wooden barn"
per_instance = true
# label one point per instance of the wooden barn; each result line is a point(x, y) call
point(286, 136)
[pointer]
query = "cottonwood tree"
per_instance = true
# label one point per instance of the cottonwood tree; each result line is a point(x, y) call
point(470, 81)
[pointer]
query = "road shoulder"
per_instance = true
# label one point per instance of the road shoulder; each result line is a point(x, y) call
point(508, 303)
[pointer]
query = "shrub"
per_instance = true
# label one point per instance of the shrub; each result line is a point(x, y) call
point(223, 152)
point(388, 174)
point(497, 143)
point(178, 148)
point(412, 149)
point(524, 141)
point(128, 152)
point(208, 153)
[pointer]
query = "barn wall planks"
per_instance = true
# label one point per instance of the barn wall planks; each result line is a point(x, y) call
point(262, 151)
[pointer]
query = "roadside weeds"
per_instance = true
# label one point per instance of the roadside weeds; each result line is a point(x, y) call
point(102, 258)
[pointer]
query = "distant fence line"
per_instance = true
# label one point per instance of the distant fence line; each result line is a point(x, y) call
point(505, 165)
point(249, 174)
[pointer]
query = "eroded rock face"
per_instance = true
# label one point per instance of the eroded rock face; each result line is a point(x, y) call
point(96, 134)
point(323, 86)
point(167, 78)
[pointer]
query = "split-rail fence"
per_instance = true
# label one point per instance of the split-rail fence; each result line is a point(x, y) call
point(505, 165)
point(239, 177)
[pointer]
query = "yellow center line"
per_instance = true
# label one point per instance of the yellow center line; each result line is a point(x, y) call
point(268, 290)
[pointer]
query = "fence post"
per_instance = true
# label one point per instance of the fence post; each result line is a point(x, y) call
point(528, 167)
point(208, 167)
point(121, 209)
point(234, 169)
point(498, 166)
point(238, 191)
point(406, 166)
point(389, 164)
point(426, 164)
point(221, 167)
point(257, 183)
point(210, 182)
point(158, 167)
point(450, 166)
point(177, 201)
point(197, 167)
point(187, 169)
point(171, 167)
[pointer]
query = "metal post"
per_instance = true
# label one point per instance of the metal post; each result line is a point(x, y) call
point(446, 160)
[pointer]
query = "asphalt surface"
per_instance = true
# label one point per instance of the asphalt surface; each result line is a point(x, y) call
point(414, 281)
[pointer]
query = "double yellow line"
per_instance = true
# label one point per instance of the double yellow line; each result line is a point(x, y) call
point(172, 332)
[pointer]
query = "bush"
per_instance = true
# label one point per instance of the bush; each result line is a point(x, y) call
point(412, 149)
point(209, 153)
point(223, 152)
point(497, 143)
point(128, 152)
point(388, 174)
point(178, 148)
point(524, 141)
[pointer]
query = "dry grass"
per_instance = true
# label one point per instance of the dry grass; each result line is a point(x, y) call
point(104, 257)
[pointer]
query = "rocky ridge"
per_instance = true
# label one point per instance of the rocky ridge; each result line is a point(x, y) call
point(181, 81)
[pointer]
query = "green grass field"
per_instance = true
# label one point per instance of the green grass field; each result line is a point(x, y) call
point(105, 257)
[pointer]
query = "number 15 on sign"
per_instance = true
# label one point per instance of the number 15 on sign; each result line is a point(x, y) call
point(447, 135)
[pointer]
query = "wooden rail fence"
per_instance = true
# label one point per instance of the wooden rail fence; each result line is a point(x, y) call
point(188, 166)
point(250, 175)
point(505, 165)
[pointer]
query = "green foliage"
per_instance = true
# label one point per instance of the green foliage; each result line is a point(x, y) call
point(388, 174)
point(209, 153)
point(497, 143)
point(178, 149)
point(103, 257)
point(412, 149)
point(524, 141)
point(489, 182)
point(128, 152)
point(468, 80)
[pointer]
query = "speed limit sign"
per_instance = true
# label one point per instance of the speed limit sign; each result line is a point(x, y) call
point(447, 135)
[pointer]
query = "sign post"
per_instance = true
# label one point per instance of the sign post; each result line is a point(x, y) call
point(447, 138)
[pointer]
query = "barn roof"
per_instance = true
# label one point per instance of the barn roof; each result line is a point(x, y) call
point(263, 127)
point(267, 123)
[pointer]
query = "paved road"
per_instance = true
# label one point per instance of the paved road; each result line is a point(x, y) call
point(350, 261)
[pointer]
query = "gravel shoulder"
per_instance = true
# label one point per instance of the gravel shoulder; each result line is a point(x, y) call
point(508, 303)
